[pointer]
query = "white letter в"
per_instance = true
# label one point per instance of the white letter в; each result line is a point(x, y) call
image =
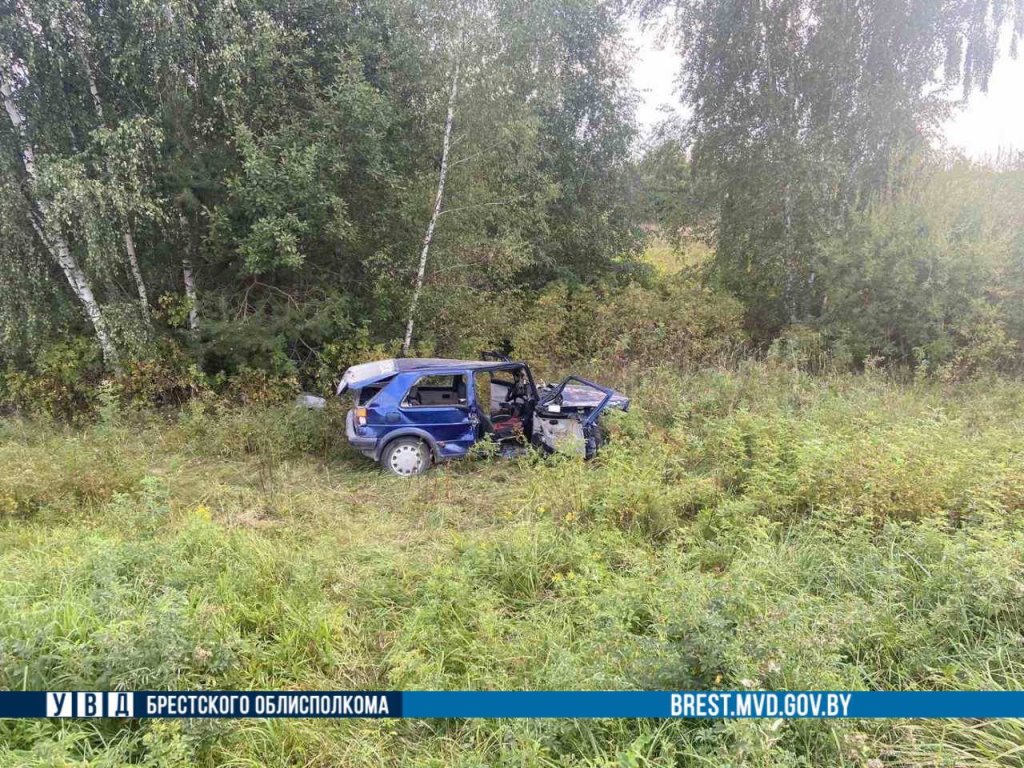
point(677, 704)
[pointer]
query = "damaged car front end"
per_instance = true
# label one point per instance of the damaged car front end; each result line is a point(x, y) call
point(567, 416)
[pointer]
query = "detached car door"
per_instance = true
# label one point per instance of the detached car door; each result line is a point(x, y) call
point(439, 405)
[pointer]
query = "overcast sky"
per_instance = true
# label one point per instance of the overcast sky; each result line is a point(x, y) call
point(988, 122)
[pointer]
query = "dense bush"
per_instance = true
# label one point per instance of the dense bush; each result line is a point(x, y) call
point(930, 276)
point(672, 319)
point(61, 383)
point(287, 159)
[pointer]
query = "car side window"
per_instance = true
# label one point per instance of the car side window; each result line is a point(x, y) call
point(434, 391)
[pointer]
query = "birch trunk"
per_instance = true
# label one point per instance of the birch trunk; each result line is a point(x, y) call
point(190, 292)
point(51, 236)
point(126, 235)
point(133, 263)
point(438, 202)
point(187, 275)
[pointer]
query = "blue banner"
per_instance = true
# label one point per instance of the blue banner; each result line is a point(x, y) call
point(715, 704)
point(512, 704)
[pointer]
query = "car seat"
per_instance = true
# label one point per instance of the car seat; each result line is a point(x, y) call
point(503, 427)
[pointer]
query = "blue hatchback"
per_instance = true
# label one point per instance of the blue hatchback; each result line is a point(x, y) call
point(410, 413)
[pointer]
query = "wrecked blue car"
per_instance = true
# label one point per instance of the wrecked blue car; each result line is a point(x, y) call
point(410, 413)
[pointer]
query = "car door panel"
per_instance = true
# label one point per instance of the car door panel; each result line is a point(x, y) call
point(448, 422)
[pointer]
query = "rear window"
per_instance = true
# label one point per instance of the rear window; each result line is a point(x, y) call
point(366, 394)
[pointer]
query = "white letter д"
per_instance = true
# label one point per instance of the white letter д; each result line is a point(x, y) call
point(120, 704)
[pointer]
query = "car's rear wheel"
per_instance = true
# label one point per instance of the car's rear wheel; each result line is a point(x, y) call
point(406, 456)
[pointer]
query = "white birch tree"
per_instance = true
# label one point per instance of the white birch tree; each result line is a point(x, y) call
point(438, 204)
point(49, 232)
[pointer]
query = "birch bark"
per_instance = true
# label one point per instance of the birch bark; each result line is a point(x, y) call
point(190, 292)
point(187, 275)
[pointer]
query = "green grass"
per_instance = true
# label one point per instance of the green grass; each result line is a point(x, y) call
point(747, 528)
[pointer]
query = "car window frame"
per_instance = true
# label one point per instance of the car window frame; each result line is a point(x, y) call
point(403, 403)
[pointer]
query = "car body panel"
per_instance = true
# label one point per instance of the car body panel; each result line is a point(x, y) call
point(448, 429)
point(452, 428)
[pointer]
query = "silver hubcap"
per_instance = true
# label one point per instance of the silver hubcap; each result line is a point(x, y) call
point(406, 459)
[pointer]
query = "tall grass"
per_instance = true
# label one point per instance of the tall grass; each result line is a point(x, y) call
point(750, 528)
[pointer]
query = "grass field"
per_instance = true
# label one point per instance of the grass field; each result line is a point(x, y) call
point(755, 528)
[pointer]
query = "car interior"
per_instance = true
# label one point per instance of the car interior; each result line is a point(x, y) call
point(502, 402)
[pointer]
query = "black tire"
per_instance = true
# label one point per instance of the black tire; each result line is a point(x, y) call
point(406, 456)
